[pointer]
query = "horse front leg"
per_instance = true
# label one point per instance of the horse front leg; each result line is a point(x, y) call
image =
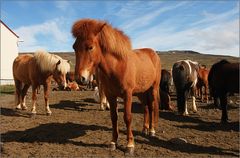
point(46, 95)
point(128, 121)
point(34, 99)
point(114, 118)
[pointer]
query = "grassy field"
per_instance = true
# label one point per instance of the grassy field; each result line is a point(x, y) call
point(7, 89)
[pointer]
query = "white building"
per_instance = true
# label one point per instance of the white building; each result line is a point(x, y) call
point(8, 52)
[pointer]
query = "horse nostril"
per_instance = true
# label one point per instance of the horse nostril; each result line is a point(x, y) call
point(82, 79)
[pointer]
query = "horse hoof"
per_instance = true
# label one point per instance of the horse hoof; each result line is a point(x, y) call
point(49, 114)
point(112, 146)
point(224, 121)
point(24, 108)
point(152, 134)
point(33, 115)
point(129, 151)
point(17, 108)
point(145, 131)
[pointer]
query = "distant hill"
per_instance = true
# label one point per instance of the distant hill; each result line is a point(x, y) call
point(168, 58)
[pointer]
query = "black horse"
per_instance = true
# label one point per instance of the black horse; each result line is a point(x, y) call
point(184, 73)
point(223, 78)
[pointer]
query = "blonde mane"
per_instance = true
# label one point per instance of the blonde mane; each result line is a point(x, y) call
point(110, 39)
point(47, 62)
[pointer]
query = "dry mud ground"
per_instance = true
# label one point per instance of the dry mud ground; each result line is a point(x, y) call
point(77, 128)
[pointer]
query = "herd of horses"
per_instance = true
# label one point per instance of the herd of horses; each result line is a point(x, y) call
point(123, 72)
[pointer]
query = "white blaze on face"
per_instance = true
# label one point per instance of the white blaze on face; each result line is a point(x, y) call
point(85, 74)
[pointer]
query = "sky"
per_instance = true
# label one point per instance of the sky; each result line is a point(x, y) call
point(205, 26)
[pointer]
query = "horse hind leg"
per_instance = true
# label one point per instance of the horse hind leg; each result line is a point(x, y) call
point(153, 110)
point(23, 97)
point(144, 101)
point(18, 89)
point(186, 94)
point(223, 103)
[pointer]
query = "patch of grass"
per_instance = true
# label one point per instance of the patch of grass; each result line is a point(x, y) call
point(7, 89)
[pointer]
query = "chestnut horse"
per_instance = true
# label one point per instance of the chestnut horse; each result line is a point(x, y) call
point(124, 72)
point(202, 83)
point(223, 78)
point(35, 70)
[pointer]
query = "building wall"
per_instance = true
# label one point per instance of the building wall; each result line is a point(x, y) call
point(8, 52)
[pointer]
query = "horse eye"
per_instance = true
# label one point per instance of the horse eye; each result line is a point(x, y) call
point(90, 48)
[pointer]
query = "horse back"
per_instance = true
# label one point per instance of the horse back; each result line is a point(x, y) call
point(230, 74)
point(184, 74)
point(147, 67)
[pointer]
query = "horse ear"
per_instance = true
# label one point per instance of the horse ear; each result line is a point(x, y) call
point(58, 62)
point(100, 28)
point(69, 61)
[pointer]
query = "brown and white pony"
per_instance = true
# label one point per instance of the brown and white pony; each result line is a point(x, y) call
point(35, 70)
point(124, 72)
point(223, 78)
point(184, 73)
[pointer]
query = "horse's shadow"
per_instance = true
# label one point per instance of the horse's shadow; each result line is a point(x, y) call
point(74, 105)
point(201, 125)
point(60, 133)
point(13, 112)
point(185, 147)
point(212, 106)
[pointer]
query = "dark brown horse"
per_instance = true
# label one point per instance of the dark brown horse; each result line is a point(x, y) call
point(184, 74)
point(35, 70)
point(166, 79)
point(223, 78)
point(124, 72)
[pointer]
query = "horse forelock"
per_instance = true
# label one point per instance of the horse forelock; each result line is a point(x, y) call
point(47, 62)
point(111, 40)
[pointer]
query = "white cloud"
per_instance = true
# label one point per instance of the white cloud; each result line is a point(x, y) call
point(222, 38)
point(50, 31)
point(63, 5)
point(147, 18)
point(213, 34)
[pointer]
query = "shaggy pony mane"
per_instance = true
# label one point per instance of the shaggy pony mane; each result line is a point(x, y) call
point(110, 39)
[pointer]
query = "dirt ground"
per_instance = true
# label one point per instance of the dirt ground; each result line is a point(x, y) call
point(77, 128)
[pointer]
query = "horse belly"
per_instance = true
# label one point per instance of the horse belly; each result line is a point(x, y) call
point(145, 79)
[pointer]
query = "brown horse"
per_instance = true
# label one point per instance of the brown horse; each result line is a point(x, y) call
point(223, 78)
point(202, 83)
point(35, 70)
point(124, 72)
